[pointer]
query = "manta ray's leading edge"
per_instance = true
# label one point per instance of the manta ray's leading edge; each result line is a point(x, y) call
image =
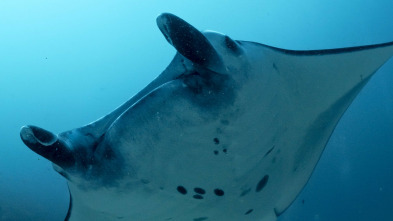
point(231, 130)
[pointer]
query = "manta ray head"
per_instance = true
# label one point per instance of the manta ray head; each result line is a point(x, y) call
point(107, 153)
point(203, 63)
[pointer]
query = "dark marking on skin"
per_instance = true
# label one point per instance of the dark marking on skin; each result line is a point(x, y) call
point(161, 188)
point(120, 217)
point(249, 211)
point(225, 150)
point(219, 192)
point(245, 192)
point(198, 197)
point(216, 141)
point(216, 152)
point(269, 151)
point(199, 190)
point(302, 201)
point(262, 183)
point(182, 190)
point(201, 219)
point(275, 67)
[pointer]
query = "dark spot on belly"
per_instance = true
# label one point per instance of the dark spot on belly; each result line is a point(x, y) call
point(215, 152)
point(269, 151)
point(262, 183)
point(248, 212)
point(182, 190)
point(245, 192)
point(199, 190)
point(219, 192)
point(275, 66)
point(216, 141)
point(198, 197)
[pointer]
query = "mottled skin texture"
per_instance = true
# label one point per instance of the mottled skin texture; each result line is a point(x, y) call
point(231, 130)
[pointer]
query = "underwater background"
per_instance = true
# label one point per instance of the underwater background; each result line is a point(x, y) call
point(64, 64)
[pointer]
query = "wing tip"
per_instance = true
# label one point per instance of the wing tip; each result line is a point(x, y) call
point(327, 51)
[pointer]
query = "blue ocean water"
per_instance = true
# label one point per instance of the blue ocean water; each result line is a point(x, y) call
point(64, 64)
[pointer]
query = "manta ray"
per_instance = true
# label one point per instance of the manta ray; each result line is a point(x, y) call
point(230, 130)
